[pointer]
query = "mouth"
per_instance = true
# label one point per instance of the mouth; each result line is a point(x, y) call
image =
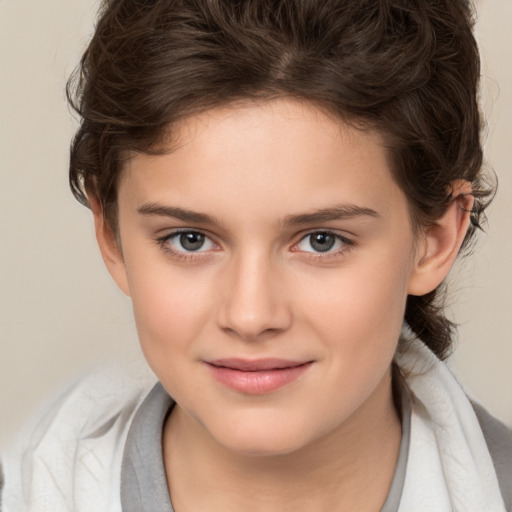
point(257, 377)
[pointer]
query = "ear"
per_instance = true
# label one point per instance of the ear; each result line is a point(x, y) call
point(439, 243)
point(109, 244)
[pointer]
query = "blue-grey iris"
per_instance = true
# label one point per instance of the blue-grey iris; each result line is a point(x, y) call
point(322, 242)
point(192, 241)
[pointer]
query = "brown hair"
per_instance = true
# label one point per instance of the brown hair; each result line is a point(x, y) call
point(407, 68)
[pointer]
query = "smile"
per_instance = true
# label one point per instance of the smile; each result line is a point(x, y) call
point(257, 377)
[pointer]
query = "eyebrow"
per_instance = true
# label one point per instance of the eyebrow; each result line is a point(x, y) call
point(340, 212)
point(155, 209)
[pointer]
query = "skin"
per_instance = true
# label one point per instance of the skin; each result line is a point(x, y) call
point(259, 288)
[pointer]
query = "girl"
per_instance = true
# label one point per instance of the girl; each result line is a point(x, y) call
point(281, 188)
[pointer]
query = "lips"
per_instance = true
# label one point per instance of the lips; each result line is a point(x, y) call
point(257, 376)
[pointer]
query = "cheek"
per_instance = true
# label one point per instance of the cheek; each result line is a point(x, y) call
point(360, 309)
point(170, 310)
point(358, 320)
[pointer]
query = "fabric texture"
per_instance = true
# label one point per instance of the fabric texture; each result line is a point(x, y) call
point(70, 458)
point(143, 479)
point(499, 441)
point(449, 467)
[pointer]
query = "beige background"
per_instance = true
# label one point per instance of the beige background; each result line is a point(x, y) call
point(59, 311)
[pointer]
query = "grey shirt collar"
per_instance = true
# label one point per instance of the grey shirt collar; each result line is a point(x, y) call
point(143, 479)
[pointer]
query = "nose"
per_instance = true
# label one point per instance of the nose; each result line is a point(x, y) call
point(254, 305)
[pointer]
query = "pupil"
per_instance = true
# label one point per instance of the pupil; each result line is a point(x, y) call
point(322, 242)
point(191, 241)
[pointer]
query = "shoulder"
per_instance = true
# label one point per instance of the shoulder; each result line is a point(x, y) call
point(72, 452)
point(499, 442)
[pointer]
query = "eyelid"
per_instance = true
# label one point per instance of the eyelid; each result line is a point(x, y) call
point(163, 242)
point(344, 236)
point(169, 233)
point(347, 244)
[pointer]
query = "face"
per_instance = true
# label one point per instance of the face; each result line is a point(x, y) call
point(268, 258)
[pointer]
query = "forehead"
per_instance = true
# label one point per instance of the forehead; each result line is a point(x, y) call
point(284, 154)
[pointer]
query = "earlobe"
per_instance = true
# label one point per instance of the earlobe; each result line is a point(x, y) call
point(440, 243)
point(109, 245)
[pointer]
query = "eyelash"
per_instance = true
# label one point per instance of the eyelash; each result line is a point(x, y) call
point(347, 244)
point(185, 256)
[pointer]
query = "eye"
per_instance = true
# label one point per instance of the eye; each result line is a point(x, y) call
point(188, 241)
point(322, 242)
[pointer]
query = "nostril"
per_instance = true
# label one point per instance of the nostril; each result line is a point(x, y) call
point(255, 335)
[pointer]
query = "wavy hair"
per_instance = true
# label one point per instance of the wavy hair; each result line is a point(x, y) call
point(406, 68)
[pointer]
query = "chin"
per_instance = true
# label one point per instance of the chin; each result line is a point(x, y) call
point(263, 439)
point(262, 447)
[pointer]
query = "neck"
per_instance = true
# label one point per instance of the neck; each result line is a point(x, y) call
point(334, 472)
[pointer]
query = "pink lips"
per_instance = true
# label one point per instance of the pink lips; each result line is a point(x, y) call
point(256, 377)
